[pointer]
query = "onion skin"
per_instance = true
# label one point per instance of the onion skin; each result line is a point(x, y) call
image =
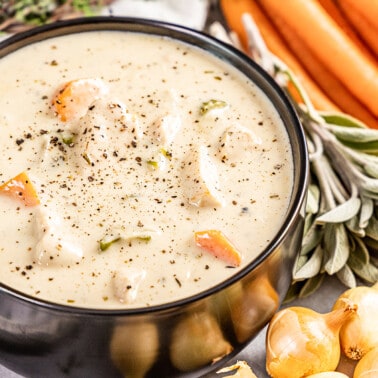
point(359, 334)
point(301, 342)
point(328, 374)
point(239, 370)
point(367, 367)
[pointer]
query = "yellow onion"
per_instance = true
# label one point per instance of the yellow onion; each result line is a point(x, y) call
point(328, 374)
point(359, 333)
point(301, 342)
point(367, 367)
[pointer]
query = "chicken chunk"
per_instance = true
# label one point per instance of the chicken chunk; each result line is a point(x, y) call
point(166, 127)
point(101, 129)
point(54, 248)
point(236, 142)
point(126, 282)
point(201, 179)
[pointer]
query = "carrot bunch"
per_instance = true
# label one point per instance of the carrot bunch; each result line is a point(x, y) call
point(331, 46)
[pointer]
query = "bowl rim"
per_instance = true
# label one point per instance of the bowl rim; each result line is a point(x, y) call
point(221, 50)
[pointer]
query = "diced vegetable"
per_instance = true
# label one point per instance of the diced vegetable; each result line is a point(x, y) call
point(153, 164)
point(216, 243)
point(108, 240)
point(166, 153)
point(68, 140)
point(211, 105)
point(21, 188)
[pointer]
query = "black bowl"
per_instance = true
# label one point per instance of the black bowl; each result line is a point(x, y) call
point(39, 339)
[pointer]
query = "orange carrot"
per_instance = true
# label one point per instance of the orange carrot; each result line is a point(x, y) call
point(363, 15)
point(367, 8)
point(21, 188)
point(233, 11)
point(320, 33)
point(216, 243)
point(325, 79)
point(337, 15)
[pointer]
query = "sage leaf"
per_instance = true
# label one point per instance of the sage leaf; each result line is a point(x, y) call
point(366, 211)
point(312, 267)
point(370, 185)
point(354, 134)
point(367, 193)
point(353, 225)
point(300, 261)
point(368, 147)
point(367, 272)
point(342, 212)
point(359, 255)
point(311, 285)
point(341, 119)
point(308, 222)
point(346, 276)
point(312, 238)
point(313, 196)
point(372, 228)
point(374, 259)
point(293, 292)
point(371, 168)
point(336, 245)
point(372, 246)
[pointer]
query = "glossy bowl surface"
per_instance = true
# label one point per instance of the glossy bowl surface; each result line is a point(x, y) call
point(38, 338)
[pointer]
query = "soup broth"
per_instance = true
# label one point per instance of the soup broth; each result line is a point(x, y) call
point(135, 170)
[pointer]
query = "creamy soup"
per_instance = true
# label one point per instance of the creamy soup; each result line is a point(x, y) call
point(135, 170)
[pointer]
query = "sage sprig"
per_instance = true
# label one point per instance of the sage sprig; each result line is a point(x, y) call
point(20, 15)
point(341, 222)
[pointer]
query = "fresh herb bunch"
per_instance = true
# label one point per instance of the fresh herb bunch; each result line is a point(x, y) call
point(341, 224)
point(18, 15)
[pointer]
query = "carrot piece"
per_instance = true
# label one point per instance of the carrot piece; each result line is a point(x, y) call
point(233, 11)
point(363, 15)
point(330, 46)
point(215, 242)
point(21, 188)
point(75, 97)
point(334, 11)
